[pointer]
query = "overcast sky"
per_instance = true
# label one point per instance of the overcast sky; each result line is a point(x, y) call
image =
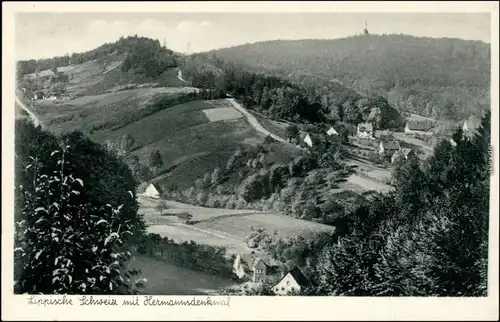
point(41, 35)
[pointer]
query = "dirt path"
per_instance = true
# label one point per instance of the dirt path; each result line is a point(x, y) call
point(32, 115)
point(254, 123)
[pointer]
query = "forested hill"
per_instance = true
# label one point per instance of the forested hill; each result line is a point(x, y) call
point(144, 56)
point(443, 78)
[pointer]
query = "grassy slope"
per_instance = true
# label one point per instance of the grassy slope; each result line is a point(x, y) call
point(189, 144)
point(104, 74)
point(222, 227)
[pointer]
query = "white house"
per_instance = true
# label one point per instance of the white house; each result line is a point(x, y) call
point(151, 192)
point(332, 131)
point(293, 282)
point(308, 140)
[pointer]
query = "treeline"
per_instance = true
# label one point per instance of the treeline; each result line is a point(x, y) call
point(159, 103)
point(278, 98)
point(198, 257)
point(299, 188)
point(144, 55)
point(76, 216)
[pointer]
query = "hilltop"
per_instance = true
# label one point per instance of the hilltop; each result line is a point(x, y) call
point(126, 63)
point(441, 78)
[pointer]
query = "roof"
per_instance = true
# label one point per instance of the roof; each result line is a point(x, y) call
point(406, 151)
point(257, 260)
point(154, 186)
point(313, 136)
point(297, 276)
point(366, 126)
point(420, 125)
point(391, 145)
point(43, 73)
point(331, 131)
point(403, 152)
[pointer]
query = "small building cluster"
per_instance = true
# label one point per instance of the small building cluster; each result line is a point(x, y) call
point(262, 270)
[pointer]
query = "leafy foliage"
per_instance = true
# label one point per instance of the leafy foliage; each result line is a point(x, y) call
point(427, 238)
point(65, 245)
point(76, 215)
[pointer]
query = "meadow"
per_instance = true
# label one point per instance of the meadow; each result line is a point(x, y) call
point(167, 279)
point(190, 143)
point(222, 227)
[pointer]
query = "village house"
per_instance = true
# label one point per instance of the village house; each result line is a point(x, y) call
point(332, 132)
point(403, 154)
point(386, 148)
point(293, 282)
point(260, 270)
point(151, 192)
point(365, 130)
point(308, 140)
point(418, 127)
point(257, 269)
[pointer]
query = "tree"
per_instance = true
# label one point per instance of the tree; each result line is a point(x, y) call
point(216, 176)
point(108, 180)
point(127, 142)
point(155, 160)
point(292, 132)
point(66, 245)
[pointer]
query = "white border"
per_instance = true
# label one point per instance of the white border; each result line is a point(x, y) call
point(245, 308)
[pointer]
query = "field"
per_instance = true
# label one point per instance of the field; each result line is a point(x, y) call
point(167, 279)
point(222, 227)
point(190, 143)
point(104, 74)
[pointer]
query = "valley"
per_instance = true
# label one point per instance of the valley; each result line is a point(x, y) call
point(230, 163)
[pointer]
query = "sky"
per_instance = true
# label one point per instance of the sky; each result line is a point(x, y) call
point(43, 35)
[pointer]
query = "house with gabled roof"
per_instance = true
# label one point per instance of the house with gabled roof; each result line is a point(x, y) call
point(308, 140)
point(331, 131)
point(256, 268)
point(152, 191)
point(293, 282)
point(388, 147)
point(403, 154)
